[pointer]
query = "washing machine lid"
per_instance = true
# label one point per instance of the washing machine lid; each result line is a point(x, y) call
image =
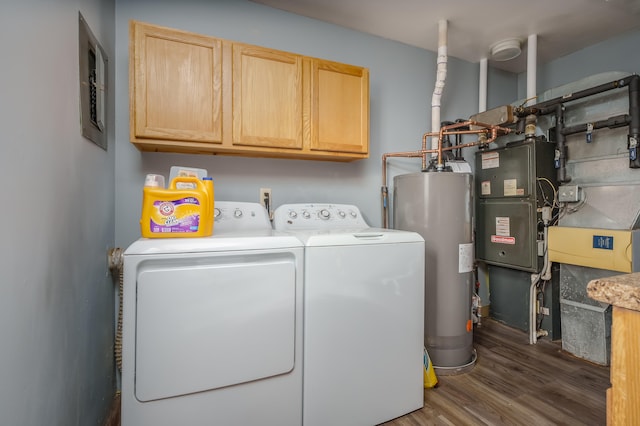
point(254, 240)
point(360, 236)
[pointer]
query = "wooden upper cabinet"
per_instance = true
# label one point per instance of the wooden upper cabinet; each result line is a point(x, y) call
point(199, 94)
point(339, 107)
point(267, 97)
point(176, 78)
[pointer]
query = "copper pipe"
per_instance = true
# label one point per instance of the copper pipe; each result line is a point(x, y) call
point(466, 145)
point(467, 132)
point(424, 147)
point(449, 130)
point(407, 154)
point(495, 131)
point(445, 131)
point(470, 144)
point(440, 164)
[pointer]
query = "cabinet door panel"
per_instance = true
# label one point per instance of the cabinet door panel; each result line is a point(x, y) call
point(177, 78)
point(267, 98)
point(340, 107)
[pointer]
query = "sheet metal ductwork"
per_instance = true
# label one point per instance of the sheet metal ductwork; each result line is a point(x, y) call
point(607, 188)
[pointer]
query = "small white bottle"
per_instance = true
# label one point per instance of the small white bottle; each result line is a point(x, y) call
point(154, 181)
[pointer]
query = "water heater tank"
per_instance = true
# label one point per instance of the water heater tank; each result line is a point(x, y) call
point(438, 206)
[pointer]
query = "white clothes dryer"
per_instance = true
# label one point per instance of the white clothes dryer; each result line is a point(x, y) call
point(363, 316)
point(212, 327)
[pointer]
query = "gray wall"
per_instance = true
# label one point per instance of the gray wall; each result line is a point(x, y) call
point(56, 308)
point(501, 87)
point(616, 54)
point(402, 81)
point(56, 362)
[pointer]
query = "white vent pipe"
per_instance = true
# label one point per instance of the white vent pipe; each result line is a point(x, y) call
point(532, 52)
point(441, 75)
point(482, 91)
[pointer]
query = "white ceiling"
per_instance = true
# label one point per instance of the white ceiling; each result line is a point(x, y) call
point(561, 26)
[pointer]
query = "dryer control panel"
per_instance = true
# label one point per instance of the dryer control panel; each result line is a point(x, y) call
point(234, 216)
point(293, 217)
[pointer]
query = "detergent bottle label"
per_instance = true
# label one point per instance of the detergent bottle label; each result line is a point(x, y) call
point(181, 215)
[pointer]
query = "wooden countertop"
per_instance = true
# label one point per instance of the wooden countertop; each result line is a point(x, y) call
point(620, 290)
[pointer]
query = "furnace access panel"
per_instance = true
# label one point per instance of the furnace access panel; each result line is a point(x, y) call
point(512, 183)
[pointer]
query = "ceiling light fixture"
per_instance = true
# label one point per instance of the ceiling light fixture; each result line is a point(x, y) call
point(505, 50)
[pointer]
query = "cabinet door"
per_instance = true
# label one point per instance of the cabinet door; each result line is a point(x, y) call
point(339, 107)
point(267, 97)
point(176, 85)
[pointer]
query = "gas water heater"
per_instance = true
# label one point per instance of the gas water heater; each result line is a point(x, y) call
point(438, 206)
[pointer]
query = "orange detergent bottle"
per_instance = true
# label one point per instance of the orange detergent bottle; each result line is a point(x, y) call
point(185, 209)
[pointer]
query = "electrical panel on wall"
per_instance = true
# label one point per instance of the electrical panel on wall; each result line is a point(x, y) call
point(512, 183)
point(93, 88)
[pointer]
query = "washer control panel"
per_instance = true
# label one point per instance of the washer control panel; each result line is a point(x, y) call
point(292, 217)
point(233, 216)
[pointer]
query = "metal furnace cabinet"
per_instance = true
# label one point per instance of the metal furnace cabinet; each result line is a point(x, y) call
point(512, 183)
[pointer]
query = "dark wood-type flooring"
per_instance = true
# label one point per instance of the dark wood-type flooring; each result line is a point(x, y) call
point(514, 383)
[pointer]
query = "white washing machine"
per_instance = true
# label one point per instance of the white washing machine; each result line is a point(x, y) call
point(212, 327)
point(363, 316)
